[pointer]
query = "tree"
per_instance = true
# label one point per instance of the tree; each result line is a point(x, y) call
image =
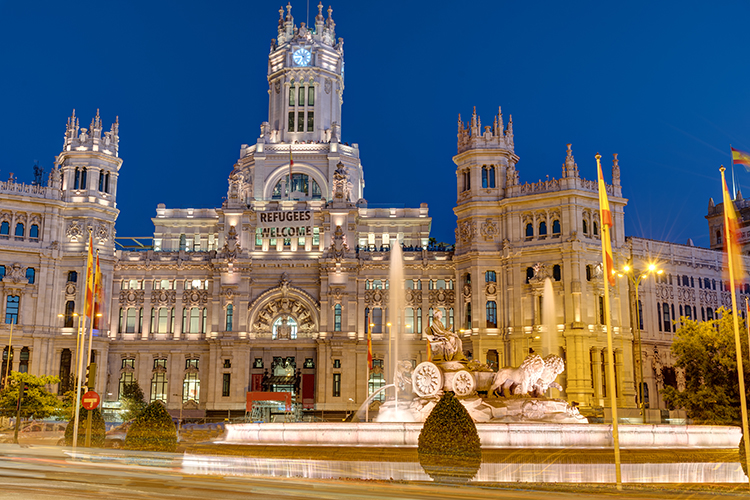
point(449, 447)
point(152, 430)
point(98, 431)
point(132, 400)
point(706, 352)
point(38, 402)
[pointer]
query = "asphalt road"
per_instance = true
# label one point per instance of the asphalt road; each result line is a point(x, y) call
point(47, 473)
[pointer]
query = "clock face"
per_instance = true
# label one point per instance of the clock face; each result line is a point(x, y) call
point(301, 57)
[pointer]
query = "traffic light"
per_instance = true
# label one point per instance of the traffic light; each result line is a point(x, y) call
point(91, 376)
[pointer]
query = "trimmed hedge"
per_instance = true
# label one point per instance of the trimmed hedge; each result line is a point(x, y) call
point(97, 428)
point(153, 430)
point(449, 447)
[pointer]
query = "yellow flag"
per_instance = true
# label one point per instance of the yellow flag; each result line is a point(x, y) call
point(606, 216)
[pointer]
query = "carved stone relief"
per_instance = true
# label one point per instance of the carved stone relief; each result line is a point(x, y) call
point(74, 232)
point(413, 297)
point(489, 229)
point(376, 297)
point(195, 297)
point(163, 297)
point(442, 298)
point(129, 298)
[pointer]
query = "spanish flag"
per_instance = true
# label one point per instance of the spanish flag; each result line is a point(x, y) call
point(732, 233)
point(740, 158)
point(369, 346)
point(88, 308)
point(606, 217)
point(98, 295)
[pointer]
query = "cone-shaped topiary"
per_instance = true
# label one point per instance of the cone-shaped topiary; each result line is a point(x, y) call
point(152, 430)
point(97, 429)
point(449, 448)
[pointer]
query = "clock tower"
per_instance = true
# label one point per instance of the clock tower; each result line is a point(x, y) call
point(306, 81)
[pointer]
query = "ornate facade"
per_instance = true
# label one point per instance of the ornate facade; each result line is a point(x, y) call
point(274, 290)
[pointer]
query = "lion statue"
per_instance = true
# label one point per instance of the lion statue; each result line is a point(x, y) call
point(519, 380)
point(553, 366)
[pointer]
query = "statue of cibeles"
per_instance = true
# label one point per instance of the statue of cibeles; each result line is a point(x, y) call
point(446, 345)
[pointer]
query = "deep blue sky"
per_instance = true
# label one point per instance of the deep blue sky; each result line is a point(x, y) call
point(664, 84)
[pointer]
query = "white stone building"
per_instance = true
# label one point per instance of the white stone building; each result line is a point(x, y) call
point(274, 289)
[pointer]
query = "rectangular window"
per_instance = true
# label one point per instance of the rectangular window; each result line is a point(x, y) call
point(291, 121)
point(125, 379)
point(300, 121)
point(316, 236)
point(601, 310)
point(291, 96)
point(409, 317)
point(128, 363)
point(301, 96)
point(310, 121)
point(226, 382)
point(309, 363)
point(336, 385)
point(311, 95)
point(191, 363)
point(11, 309)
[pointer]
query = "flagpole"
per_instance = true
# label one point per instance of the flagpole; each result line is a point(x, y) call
point(610, 353)
point(734, 186)
point(79, 368)
point(291, 162)
point(738, 345)
point(367, 379)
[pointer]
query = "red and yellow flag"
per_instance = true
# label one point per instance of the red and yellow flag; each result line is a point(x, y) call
point(606, 217)
point(740, 157)
point(369, 345)
point(732, 233)
point(98, 294)
point(88, 307)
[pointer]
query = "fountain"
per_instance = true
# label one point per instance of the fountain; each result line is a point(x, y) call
point(523, 419)
point(390, 411)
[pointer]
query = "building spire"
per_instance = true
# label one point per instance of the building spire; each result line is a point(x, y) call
point(615, 171)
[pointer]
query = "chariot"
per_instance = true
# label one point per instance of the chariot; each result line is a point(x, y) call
point(431, 377)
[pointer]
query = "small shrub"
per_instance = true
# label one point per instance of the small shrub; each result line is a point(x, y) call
point(152, 430)
point(449, 447)
point(98, 431)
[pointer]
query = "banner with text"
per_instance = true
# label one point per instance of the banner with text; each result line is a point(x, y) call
point(286, 224)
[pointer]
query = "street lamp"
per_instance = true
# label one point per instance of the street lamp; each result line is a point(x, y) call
point(635, 276)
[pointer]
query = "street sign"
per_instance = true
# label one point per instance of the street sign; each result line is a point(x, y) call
point(90, 400)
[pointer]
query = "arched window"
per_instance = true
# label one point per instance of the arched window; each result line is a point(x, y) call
point(5, 227)
point(2, 272)
point(585, 227)
point(68, 316)
point(84, 178)
point(556, 272)
point(159, 387)
point(101, 180)
point(285, 327)
point(688, 313)
point(23, 361)
point(490, 277)
point(77, 180)
point(718, 237)
point(665, 313)
point(709, 314)
point(19, 229)
point(131, 320)
point(230, 314)
point(303, 186)
point(183, 243)
point(491, 314)
point(556, 229)
point(377, 320)
point(34, 231)
point(191, 387)
point(468, 316)
point(72, 276)
point(66, 382)
point(529, 230)
point(30, 275)
point(485, 177)
point(492, 176)
point(596, 229)
point(529, 274)
point(542, 228)
point(12, 304)
point(106, 183)
point(337, 318)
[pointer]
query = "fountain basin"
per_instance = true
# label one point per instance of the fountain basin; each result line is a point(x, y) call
point(491, 435)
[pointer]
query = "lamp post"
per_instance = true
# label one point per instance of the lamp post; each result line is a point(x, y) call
point(635, 277)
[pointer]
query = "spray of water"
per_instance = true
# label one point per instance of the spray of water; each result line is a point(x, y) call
point(549, 318)
point(395, 308)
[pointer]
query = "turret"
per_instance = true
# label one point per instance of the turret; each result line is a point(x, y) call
point(306, 81)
